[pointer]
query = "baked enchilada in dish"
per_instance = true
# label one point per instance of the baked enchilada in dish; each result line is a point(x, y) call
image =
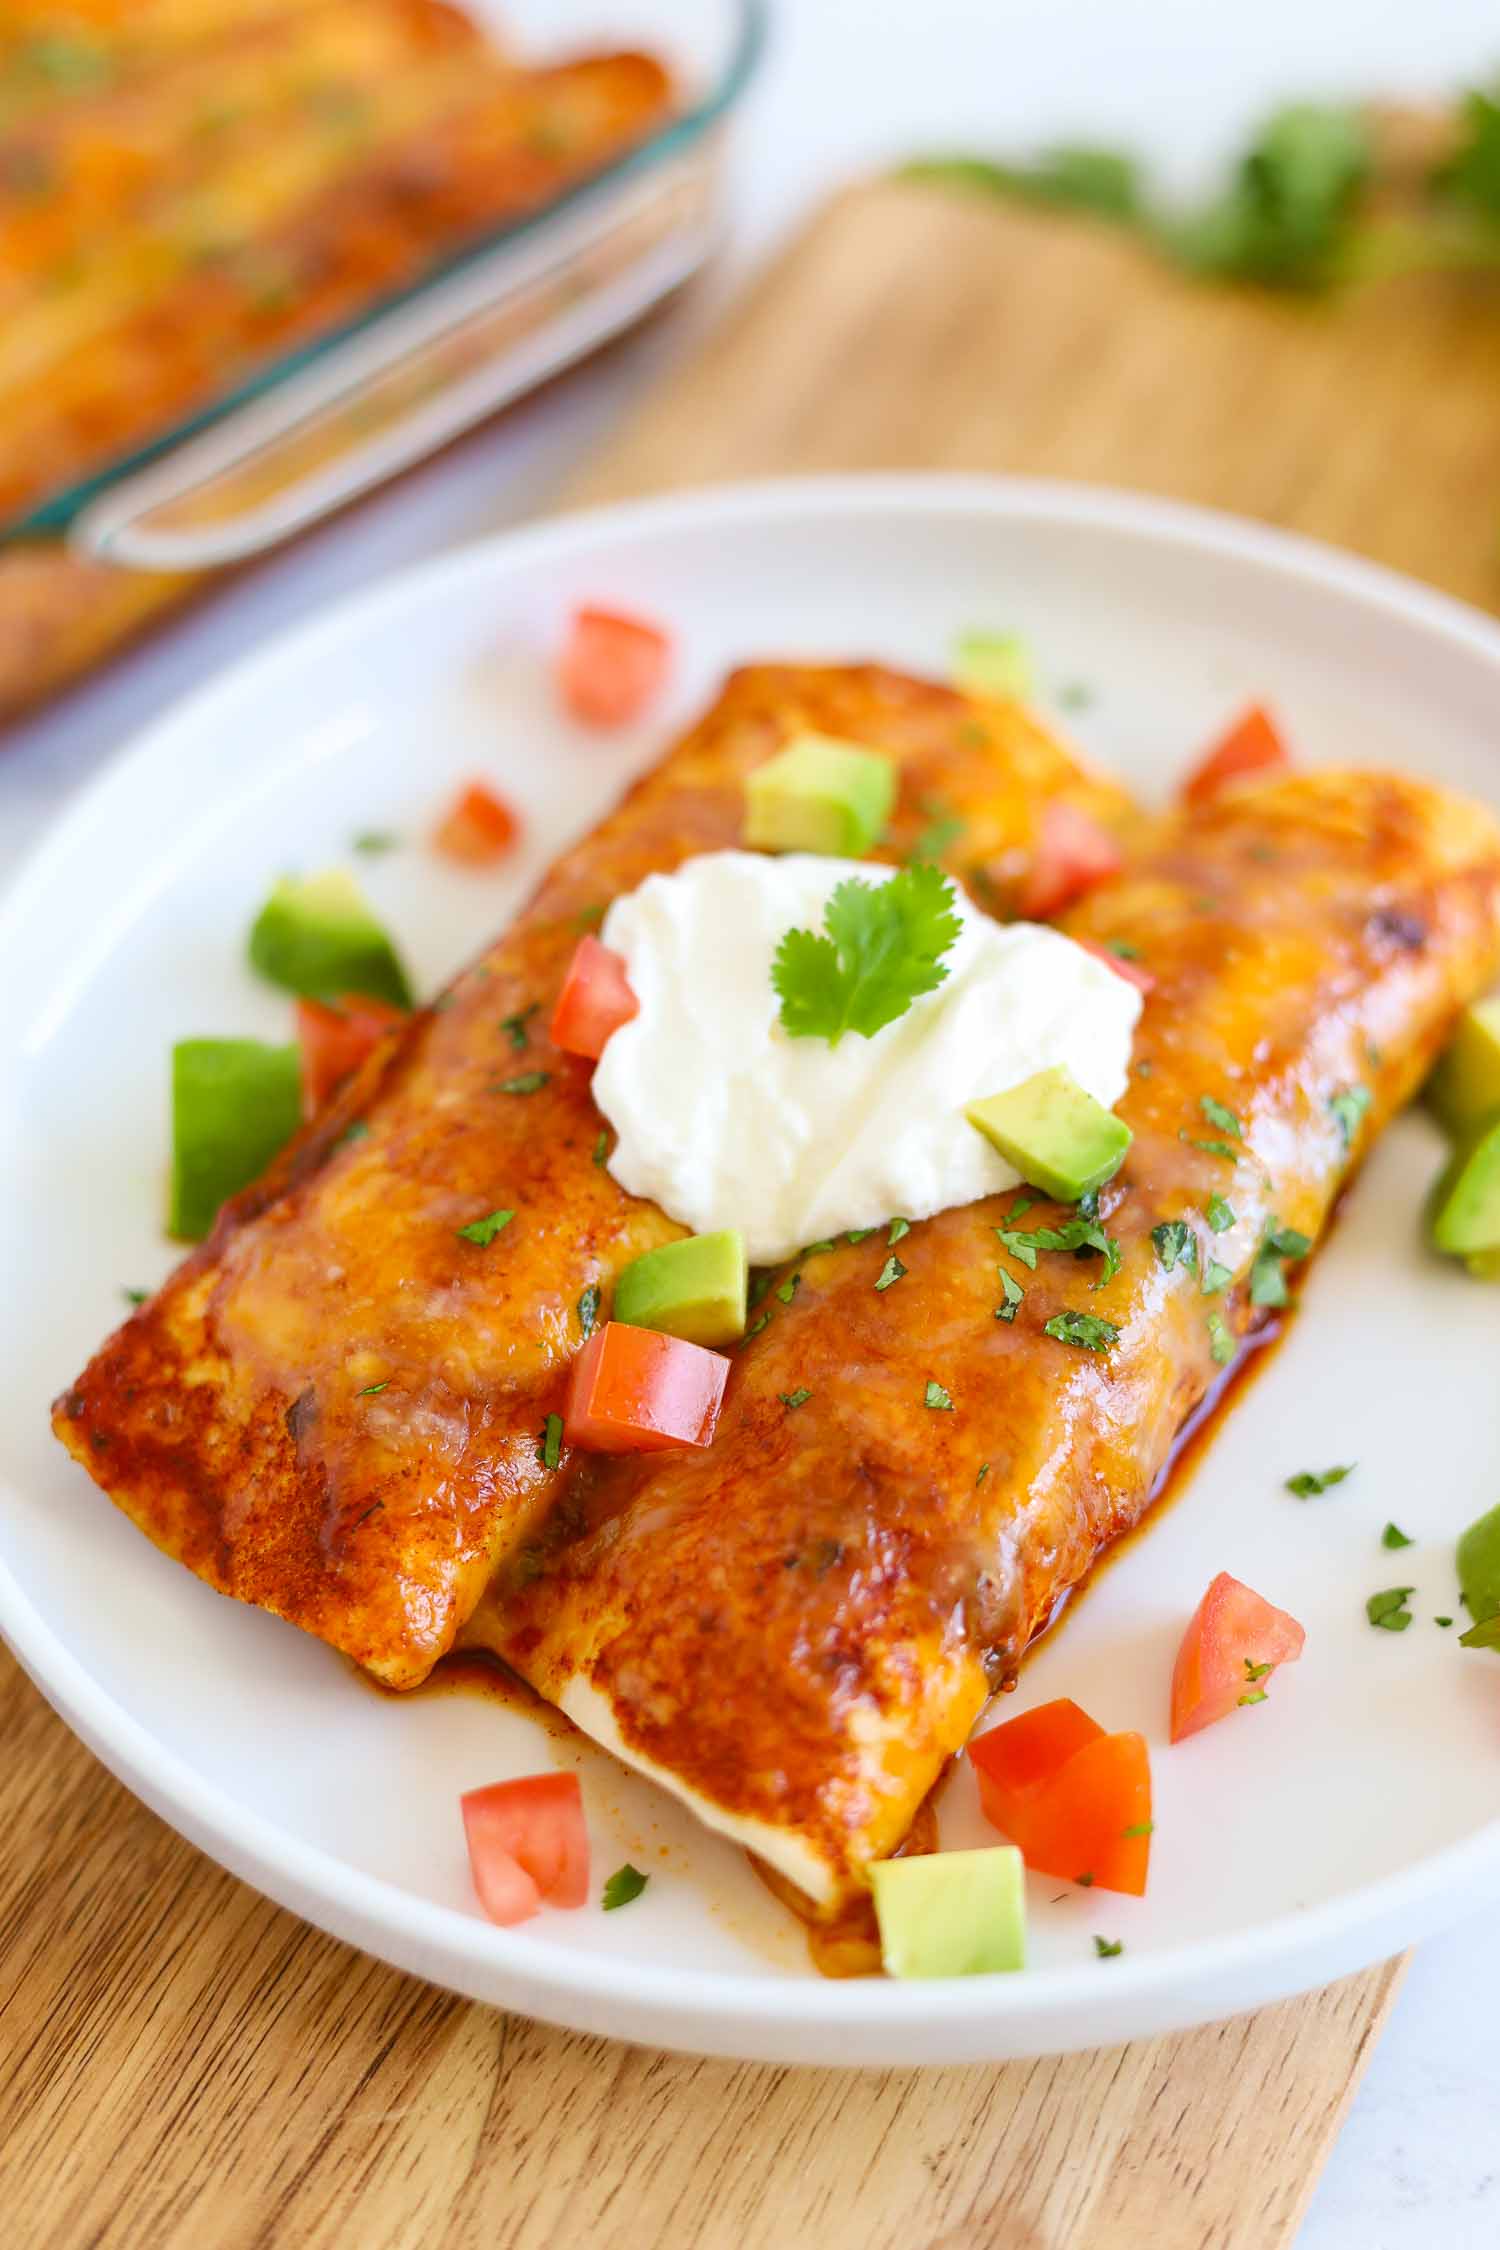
point(754, 1294)
point(188, 193)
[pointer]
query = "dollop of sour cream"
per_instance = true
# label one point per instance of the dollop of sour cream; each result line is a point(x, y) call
point(726, 1120)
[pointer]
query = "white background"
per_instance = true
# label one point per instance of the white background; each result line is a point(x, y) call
point(848, 84)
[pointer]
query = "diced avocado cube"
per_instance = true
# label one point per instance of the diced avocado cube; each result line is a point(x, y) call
point(952, 1914)
point(235, 1104)
point(1464, 1089)
point(819, 795)
point(1057, 1136)
point(693, 1289)
point(1479, 1567)
point(1466, 1202)
point(1484, 1265)
point(994, 664)
point(316, 936)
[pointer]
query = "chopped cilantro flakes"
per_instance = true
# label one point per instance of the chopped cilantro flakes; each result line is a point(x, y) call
point(1394, 1536)
point(588, 1310)
point(373, 841)
point(1086, 1330)
point(483, 1231)
point(373, 1390)
point(1348, 1107)
point(1108, 1949)
point(857, 1234)
point(1255, 1672)
point(514, 1026)
point(755, 1328)
point(1256, 1695)
point(1388, 1610)
point(787, 1289)
point(529, 1082)
point(1210, 1148)
point(937, 1398)
point(1219, 1214)
point(891, 1271)
point(1308, 1483)
point(1220, 1341)
point(135, 1296)
point(1215, 1278)
point(1175, 1244)
point(791, 1400)
point(898, 1228)
point(1013, 1292)
point(1223, 1120)
point(625, 1884)
point(984, 1470)
point(1268, 1282)
point(601, 1146)
point(550, 1450)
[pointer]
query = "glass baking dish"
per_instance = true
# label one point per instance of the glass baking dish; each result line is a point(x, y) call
point(319, 425)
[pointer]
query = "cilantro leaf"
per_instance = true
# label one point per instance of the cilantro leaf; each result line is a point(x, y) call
point(1013, 1296)
point(1219, 1214)
point(1222, 1119)
point(1022, 1246)
point(1108, 1948)
point(135, 1296)
point(1394, 1536)
point(1307, 1483)
point(788, 1288)
point(1082, 1235)
point(1256, 1695)
point(1255, 1672)
point(1086, 1330)
point(890, 1272)
point(601, 1146)
point(791, 1400)
point(588, 1310)
point(549, 1453)
point(1268, 1285)
point(373, 1390)
point(1215, 1278)
point(1073, 177)
point(898, 1228)
point(881, 949)
point(625, 1884)
point(1349, 1106)
point(1284, 216)
point(937, 1398)
point(514, 1026)
point(529, 1082)
point(1176, 1244)
point(1388, 1610)
point(1210, 1148)
point(1220, 1341)
point(483, 1231)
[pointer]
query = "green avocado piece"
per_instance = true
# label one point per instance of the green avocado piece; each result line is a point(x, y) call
point(235, 1104)
point(694, 1289)
point(1057, 1136)
point(995, 664)
point(819, 795)
point(952, 1914)
point(316, 936)
point(1484, 1265)
point(1465, 1213)
point(1464, 1089)
point(1479, 1567)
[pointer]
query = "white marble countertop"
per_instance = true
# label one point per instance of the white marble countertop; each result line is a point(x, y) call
point(849, 83)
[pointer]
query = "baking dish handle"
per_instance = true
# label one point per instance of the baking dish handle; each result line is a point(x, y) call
point(415, 379)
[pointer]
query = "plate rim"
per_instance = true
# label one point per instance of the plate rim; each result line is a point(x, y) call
point(747, 2013)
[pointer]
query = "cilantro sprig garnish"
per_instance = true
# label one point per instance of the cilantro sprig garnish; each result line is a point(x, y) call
point(1082, 1235)
point(881, 947)
point(1388, 1610)
point(1086, 1330)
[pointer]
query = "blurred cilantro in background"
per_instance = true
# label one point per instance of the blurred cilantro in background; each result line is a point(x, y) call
point(1307, 206)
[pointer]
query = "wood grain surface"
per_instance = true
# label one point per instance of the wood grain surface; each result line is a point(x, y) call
point(186, 2067)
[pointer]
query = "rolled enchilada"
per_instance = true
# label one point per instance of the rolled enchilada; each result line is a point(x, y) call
point(795, 1630)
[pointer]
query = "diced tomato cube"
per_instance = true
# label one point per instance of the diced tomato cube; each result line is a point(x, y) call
point(1076, 1800)
point(528, 1845)
point(635, 1391)
point(335, 1038)
point(594, 1001)
point(1072, 853)
point(610, 666)
point(1252, 746)
point(1131, 971)
point(478, 828)
point(1229, 1651)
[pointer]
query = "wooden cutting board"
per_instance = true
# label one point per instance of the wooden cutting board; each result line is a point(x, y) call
point(183, 2065)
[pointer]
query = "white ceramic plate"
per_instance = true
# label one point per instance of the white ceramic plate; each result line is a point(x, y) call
point(1348, 1815)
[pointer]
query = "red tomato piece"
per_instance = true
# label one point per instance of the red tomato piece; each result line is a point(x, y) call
point(1131, 971)
point(478, 827)
point(1073, 853)
point(1234, 1634)
point(1077, 1801)
point(610, 666)
point(594, 1001)
point(634, 1391)
point(335, 1039)
point(1253, 745)
point(528, 1845)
